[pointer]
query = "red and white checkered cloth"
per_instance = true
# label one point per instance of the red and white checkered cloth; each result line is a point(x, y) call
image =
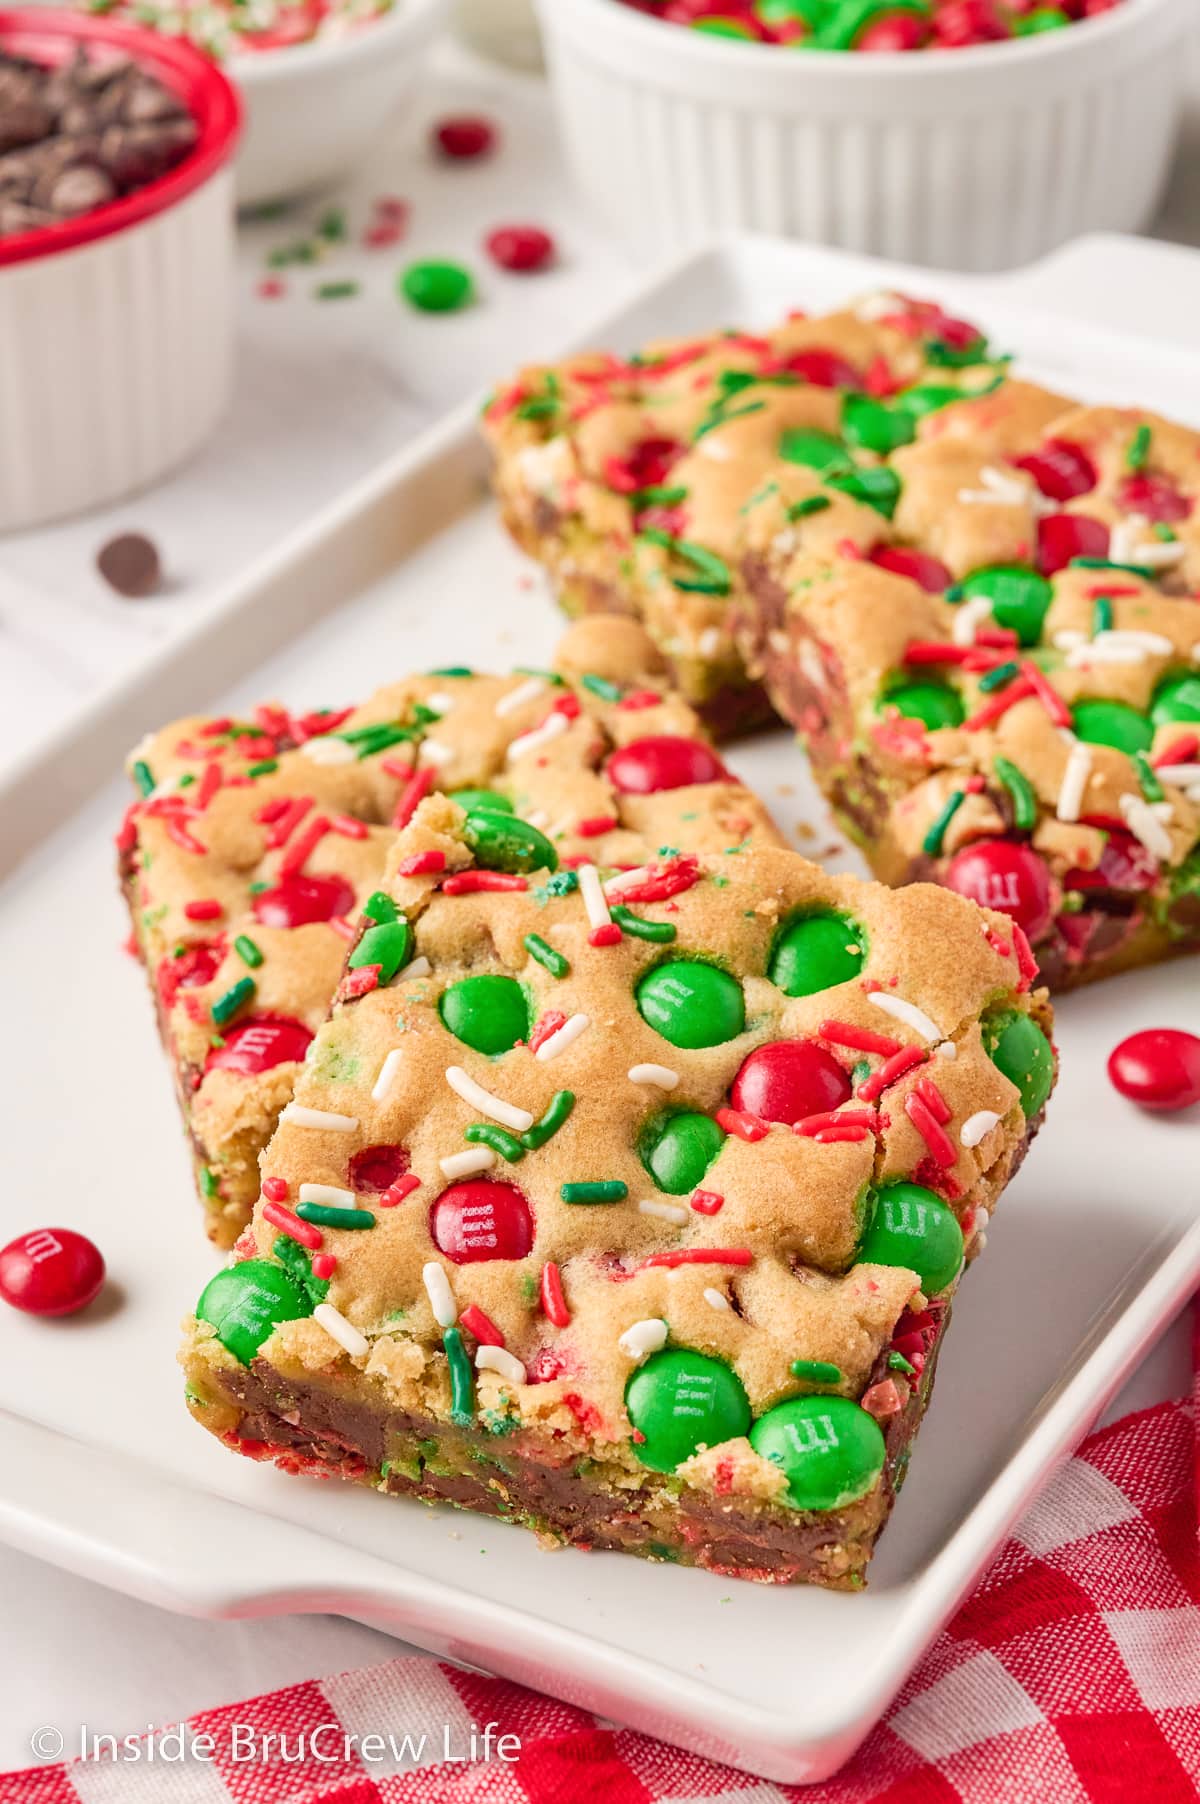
point(1072, 1676)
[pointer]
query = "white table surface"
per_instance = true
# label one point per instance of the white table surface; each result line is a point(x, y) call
point(323, 391)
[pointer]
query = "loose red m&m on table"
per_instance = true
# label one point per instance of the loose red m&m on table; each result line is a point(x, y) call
point(788, 1081)
point(1007, 875)
point(259, 1044)
point(50, 1271)
point(298, 901)
point(477, 1220)
point(464, 136)
point(663, 762)
point(521, 248)
point(1158, 1068)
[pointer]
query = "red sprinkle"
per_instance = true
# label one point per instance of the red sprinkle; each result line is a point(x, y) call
point(669, 880)
point(414, 792)
point(324, 1265)
point(359, 982)
point(813, 1125)
point(893, 1068)
point(860, 1039)
point(568, 704)
point(554, 1303)
point(745, 1126)
point(178, 832)
point(933, 1099)
point(1049, 697)
point(707, 1202)
point(1180, 751)
point(547, 1024)
point(287, 820)
point(208, 786)
point(467, 883)
point(640, 698)
point(206, 908)
point(396, 1193)
point(940, 1145)
point(595, 825)
point(271, 811)
point(392, 767)
point(421, 863)
point(275, 1189)
point(127, 833)
point(699, 1256)
point(294, 858)
point(346, 929)
point(292, 1226)
point(607, 935)
point(1026, 963)
point(1000, 703)
point(347, 826)
point(481, 1326)
point(271, 288)
point(827, 1136)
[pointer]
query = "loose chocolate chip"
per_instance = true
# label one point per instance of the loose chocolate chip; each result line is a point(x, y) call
point(130, 564)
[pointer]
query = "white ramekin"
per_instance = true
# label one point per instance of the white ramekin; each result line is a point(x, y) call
point(116, 329)
point(971, 159)
point(313, 110)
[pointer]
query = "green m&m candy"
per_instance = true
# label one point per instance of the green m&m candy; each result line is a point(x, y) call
point(936, 704)
point(873, 426)
point(1019, 598)
point(913, 1227)
point(928, 397)
point(489, 1014)
point(814, 449)
point(437, 287)
point(245, 1303)
point(1176, 698)
point(387, 945)
point(482, 798)
point(1102, 722)
point(1017, 1046)
point(678, 1152)
point(816, 951)
point(681, 1401)
point(692, 1004)
point(504, 842)
point(878, 488)
point(830, 1451)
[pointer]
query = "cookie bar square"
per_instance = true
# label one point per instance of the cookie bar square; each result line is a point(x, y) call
point(637, 1216)
point(628, 478)
point(256, 845)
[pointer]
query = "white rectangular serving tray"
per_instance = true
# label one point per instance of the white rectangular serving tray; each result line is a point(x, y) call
point(101, 1471)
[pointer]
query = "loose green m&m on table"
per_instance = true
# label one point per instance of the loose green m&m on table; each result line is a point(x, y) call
point(1176, 698)
point(1019, 598)
point(680, 1401)
point(692, 1004)
point(913, 1227)
point(482, 798)
point(936, 704)
point(1017, 1046)
point(830, 1450)
point(816, 951)
point(489, 1014)
point(678, 1152)
point(504, 842)
point(246, 1302)
point(436, 287)
point(1102, 722)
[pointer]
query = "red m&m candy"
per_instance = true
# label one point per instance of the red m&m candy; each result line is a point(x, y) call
point(378, 1167)
point(1153, 497)
point(894, 31)
point(523, 248)
point(663, 762)
point(788, 1081)
point(1061, 469)
point(464, 136)
point(193, 968)
point(50, 1271)
point(298, 901)
point(1006, 875)
point(258, 1044)
point(824, 369)
point(918, 566)
point(1062, 537)
point(1159, 1068)
point(477, 1220)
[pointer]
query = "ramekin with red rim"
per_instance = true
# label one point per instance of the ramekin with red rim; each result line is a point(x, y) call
point(116, 325)
point(976, 158)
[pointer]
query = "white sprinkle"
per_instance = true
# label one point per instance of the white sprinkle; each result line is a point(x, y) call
point(387, 1074)
point(536, 817)
point(709, 642)
point(716, 1298)
point(947, 1050)
point(1075, 780)
point(499, 1359)
point(327, 749)
point(908, 1012)
point(643, 1338)
point(1119, 647)
point(1145, 825)
point(416, 967)
point(564, 1036)
point(1158, 643)
point(1178, 773)
point(433, 752)
point(551, 727)
point(461, 1165)
point(661, 1075)
point(440, 702)
point(319, 1118)
point(167, 787)
point(1068, 639)
point(977, 1125)
point(1126, 547)
point(343, 1332)
point(664, 1211)
point(464, 1085)
point(592, 891)
point(627, 879)
point(516, 698)
point(327, 1193)
point(441, 1297)
point(1000, 489)
point(972, 613)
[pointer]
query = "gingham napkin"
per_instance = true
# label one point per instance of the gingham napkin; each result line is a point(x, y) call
point(1072, 1676)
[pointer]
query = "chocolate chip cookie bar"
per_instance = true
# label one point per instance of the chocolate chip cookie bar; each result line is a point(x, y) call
point(632, 1206)
point(256, 844)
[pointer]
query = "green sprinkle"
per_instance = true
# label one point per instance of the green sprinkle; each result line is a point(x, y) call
point(608, 692)
point(809, 504)
point(143, 776)
point(537, 407)
point(816, 1371)
point(1164, 533)
point(227, 1006)
point(462, 1389)
point(1102, 615)
point(453, 670)
point(322, 1216)
point(247, 951)
point(332, 225)
point(210, 1184)
point(638, 929)
point(186, 780)
point(898, 1363)
point(562, 883)
point(605, 1190)
point(380, 907)
point(485, 1133)
point(932, 843)
point(561, 1104)
point(1152, 789)
point(860, 1073)
point(1021, 790)
point(1138, 449)
point(546, 956)
point(262, 769)
point(712, 573)
point(257, 888)
point(377, 738)
point(999, 678)
point(655, 496)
